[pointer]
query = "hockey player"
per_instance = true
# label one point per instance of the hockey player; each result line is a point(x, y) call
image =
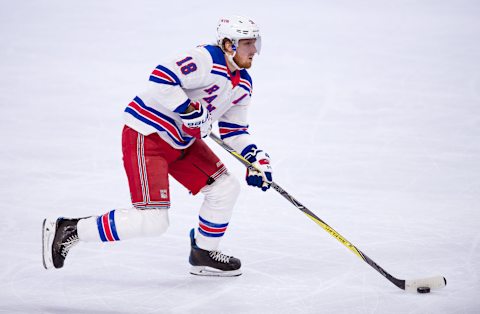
point(162, 136)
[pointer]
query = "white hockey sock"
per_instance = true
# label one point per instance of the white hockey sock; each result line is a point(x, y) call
point(123, 224)
point(216, 211)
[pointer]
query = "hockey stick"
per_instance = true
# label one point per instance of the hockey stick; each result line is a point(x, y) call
point(415, 285)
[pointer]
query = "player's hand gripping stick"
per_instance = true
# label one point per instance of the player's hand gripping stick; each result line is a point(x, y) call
point(197, 121)
point(260, 175)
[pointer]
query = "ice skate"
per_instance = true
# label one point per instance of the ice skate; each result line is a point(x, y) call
point(212, 263)
point(58, 238)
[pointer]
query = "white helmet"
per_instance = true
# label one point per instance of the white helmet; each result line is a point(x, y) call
point(238, 27)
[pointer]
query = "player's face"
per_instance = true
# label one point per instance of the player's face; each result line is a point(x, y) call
point(245, 51)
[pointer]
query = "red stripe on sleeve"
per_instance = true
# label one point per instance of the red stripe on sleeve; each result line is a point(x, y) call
point(163, 123)
point(163, 75)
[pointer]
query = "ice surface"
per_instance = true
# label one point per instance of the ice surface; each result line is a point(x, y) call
point(369, 109)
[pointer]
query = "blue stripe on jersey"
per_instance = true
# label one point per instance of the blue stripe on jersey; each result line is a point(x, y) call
point(228, 129)
point(111, 218)
point(217, 54)
point(161, 81)
point(169, 72)
point(231, 125)
point(221, 74)
point(233, 134)
point(211, 224)
point(157, 126)
point(244, 75)
point(139, 101)
point(100, 229)
point(183, 107)
point(245, 88)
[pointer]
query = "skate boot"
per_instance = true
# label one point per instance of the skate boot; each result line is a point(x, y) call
point(58, 238)
point(212, 263)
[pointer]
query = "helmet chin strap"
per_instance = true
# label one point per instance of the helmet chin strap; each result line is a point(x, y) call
point(232, 62)
point(230, 59)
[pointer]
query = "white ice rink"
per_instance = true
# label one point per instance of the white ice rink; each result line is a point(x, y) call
point(369, 109)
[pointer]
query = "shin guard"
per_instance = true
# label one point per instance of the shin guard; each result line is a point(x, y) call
point(216, 211)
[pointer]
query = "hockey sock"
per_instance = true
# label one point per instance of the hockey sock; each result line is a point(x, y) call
point(123, 224)
point(216, 211)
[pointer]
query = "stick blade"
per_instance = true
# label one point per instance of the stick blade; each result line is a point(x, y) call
point(436, 282)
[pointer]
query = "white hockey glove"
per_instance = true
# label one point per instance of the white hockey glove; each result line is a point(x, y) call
point(197, 123)
point(263, 177)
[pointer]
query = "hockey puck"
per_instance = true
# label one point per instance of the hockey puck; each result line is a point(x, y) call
point(423, 290)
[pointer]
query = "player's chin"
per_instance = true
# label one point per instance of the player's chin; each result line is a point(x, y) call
point(247, 64)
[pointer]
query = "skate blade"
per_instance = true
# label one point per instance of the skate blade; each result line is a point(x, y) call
point(48, 233)
point(212, 272)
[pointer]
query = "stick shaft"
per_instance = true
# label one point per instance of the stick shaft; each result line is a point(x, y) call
point(398, 282)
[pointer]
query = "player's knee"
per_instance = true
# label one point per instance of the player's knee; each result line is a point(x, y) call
point(233, 186)
point(132, 223)
point(155, 222)
point(223, 193)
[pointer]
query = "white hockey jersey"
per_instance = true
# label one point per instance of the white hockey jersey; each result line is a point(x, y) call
point(199, 75)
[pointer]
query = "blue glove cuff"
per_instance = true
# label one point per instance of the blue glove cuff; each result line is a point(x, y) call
point(250, 152)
